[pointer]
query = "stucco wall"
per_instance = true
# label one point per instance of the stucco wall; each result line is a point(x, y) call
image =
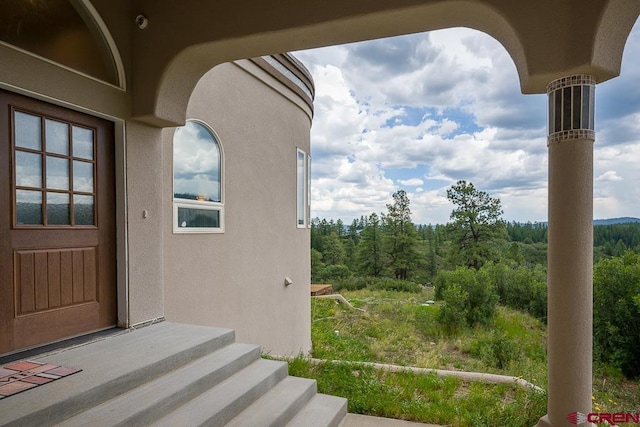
point(236, 279)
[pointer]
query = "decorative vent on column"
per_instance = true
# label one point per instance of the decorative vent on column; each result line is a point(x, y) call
point(571, 108)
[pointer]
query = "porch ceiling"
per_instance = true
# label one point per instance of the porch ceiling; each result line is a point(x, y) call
point(547, 39)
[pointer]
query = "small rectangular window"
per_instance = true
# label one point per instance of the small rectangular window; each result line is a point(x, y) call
point(303, 187)
point(308, 191)
point(194, 217)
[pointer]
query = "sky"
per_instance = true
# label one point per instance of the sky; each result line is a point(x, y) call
point(422, 111)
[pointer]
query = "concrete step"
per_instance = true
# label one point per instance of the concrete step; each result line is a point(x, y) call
point(170, 374)
point(155, 399)
point(219, 405)
point(278, 405)
point(321, 411)
point(110, 368)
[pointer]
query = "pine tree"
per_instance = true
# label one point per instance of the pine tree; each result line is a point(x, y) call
point(400, 236)
point(369, 255)
point(333, 253)
point(476, 223)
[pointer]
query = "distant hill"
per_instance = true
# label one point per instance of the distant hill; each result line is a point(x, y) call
point(608, 221)
point(623, 220)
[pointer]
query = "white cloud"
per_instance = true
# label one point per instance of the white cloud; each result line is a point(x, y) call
point(609, 176)
point(425, 110)
point(413, 182)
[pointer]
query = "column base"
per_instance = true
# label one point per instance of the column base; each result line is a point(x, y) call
point(544, 422)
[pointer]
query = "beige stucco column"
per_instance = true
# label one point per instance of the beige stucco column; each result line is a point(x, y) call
point(570, 256)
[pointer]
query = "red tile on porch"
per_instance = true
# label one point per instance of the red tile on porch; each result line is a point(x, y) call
point(6, 372)
point(43, 368)
point(62, 371)
point(36, 379)
point(26, 375)
point(15, 387)
point(23, 366)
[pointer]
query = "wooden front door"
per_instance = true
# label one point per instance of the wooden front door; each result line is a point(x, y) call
point(57, 223)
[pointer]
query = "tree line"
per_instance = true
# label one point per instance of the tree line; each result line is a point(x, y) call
point(390, 245)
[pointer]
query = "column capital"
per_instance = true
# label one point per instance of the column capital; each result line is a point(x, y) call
point(575, 80)
point(571, 108)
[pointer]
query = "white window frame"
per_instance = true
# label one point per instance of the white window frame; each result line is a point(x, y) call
point(197, 204)
point(308, 194)
point(305, 186)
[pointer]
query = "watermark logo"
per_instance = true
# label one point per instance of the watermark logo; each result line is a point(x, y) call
point(577, 418)
point(613, 419)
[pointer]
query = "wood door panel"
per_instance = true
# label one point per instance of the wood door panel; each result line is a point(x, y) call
point(69, 275)
point(41, 281)
point(49, 326)
point(66, 278)
point(54, 272)
point(35, 239)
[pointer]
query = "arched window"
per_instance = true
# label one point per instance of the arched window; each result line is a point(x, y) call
point(65, 32)
point(198, 192)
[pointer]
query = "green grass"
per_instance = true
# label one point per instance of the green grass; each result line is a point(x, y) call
point(424, 398)
point(398, 328)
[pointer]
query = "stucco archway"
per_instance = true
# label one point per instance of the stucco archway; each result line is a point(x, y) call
point(545, 40)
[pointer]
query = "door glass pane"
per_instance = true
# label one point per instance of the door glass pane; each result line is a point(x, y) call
point(27, 128)
point(83, 209)
point(82, 176)
point(57, 173)
point(57, 137)
point(28, 207)
point(82, 143)
point(28, 169)
point(58, 209)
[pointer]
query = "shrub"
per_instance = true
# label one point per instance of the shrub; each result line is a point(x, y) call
point(426, 321)
point(385, 284)
point(452, 312)
point(521, 288)
point(376, 283)
point(481, 300)
point(461, 276)
point(495, 350)
point(334, 272)
point(351, 284)
point(616, 312)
